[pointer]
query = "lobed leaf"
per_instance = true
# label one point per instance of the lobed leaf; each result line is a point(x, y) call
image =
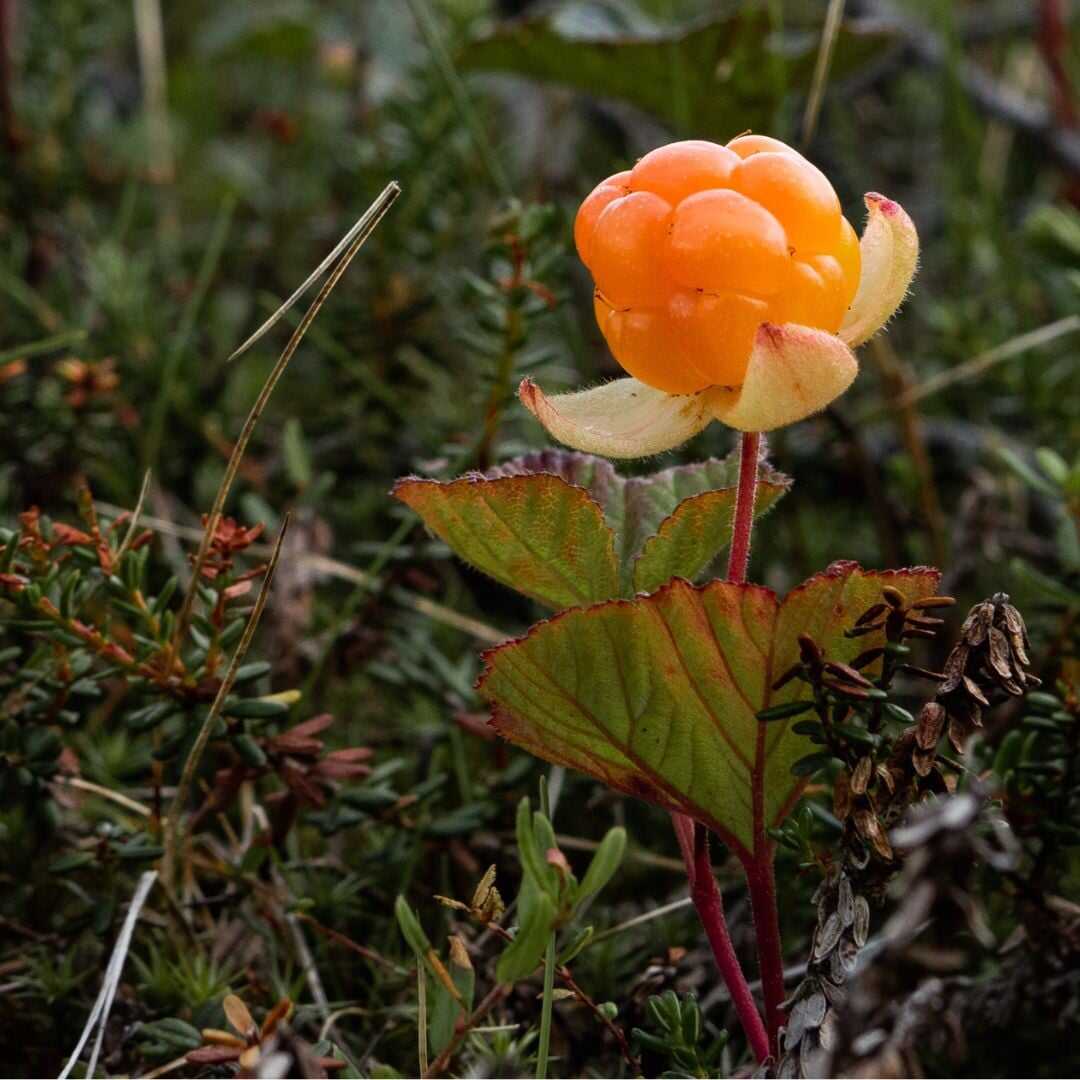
point(658, 697)
point(567, 530)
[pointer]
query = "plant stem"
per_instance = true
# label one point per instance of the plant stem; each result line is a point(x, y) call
point(710, 908)
point(745, 496)
point(761, 880)
point(545, 1009)
point(760, 872)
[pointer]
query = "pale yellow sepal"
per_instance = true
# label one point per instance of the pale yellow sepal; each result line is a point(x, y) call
point(890, 254)
point(794, 371)
point(621, 419)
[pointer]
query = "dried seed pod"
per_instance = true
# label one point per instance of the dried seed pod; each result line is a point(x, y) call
point(866, 628)
point(933, 602)
point(860, 926)
point(930, 726)
point(848, 673)
point(816, 1008)
point(870, 614)
point(845, 900)
point(923, 761)
point(954, 669)
point(848, 952)
point(998, 653)
point(796, 1025)
point(868, 826)
point(973, 688)
point(842, 796)
point(860, 777)
point(893, 596)
point(808, 1054)
point(887, 778)
point(978, 623)
point(827, 935)
point(957, 735)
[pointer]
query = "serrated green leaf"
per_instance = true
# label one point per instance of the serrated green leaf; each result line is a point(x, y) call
point(698, 507)
point(537, 534)
point(567, 530)
point(658, 697)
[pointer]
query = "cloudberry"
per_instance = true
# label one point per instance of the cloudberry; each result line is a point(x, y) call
point(699, 244)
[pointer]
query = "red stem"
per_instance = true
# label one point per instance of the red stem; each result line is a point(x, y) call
point(694, 844)
point(760, 872)
point(745, 496)
point(761, 880)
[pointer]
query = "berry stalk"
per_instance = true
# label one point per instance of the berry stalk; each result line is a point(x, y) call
point(705, 893)
point(746, 495)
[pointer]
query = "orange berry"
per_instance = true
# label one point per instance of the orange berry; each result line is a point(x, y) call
point(683, 168)
point(717, 332)
point(849, 255)
point(645, 344)
point(628, 234)
point(700, 244)
point(798, 195)
point(815, 296)
point(601, 196)
point(745, 145)
point(722, 240)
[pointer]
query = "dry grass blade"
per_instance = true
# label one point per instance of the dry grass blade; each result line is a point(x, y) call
point(133, 521)
point(365, 224)
point(172, 828)
point(421, 1020)
point(99, 1014)
point(829, 30)
point(970, 369)
point(359, 234)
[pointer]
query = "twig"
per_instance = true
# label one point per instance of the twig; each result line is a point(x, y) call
point(342, 939)
point(624, 1047)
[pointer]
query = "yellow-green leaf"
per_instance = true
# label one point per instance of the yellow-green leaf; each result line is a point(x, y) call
point(658, 697)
